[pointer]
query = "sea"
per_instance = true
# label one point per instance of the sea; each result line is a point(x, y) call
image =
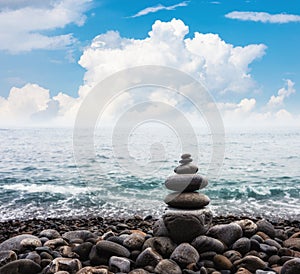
point(44, 174)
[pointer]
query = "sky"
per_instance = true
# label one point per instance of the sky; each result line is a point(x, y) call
point(52, 53)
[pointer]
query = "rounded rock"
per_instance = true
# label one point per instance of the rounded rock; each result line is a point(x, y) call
point(266, 227)
point(14, 243)
point(249, 227)
point(226, 233)
point(222, 263)
point(187, 200)
point(7, 256)
point(242, 245)
point(110, 248)
point(163, 245)
point(83, 250)
point(204, 243)
point(159, 228)
point(119, 263)
point(70, 265)
point(30, 243)
point(55, 243)
point(186, 161)
point(22, 266)
point(186, 182)
point(167, 266)
point(185, 156)
point(186, 169)
point(148, 257)
point(252, 263)
point(233, 255)
point(50, 234)
point(291, 267)
point(134, 241)
point(78, 234)
point(185, 254)
point(186, 225)
point(293, 243)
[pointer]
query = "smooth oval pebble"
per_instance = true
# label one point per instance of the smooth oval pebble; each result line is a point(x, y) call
point(7, 256)
point(242, 245)
point(291, 267)
point(266, 227)
point(185, 156)
point(226, 233)
point(167, 266)
point(134, 241)
point(187, 200)
point(14, 243)
point(49, 233)
point(148, 257)
point(204, 243)
point(186, 169)
point(122, 264)
point(185, 182)
point(293, 243)
point(22, 266)
point(233, 255)
point(186, 225)
point(111, 248)
point(221, 262)
point(249, 227)
point(186, 161)
point(78, 234)
point(252, 263)
point(185, 254)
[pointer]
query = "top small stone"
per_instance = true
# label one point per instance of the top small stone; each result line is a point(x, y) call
point(185, 156)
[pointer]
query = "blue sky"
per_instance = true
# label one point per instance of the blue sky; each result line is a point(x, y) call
point(42, 43)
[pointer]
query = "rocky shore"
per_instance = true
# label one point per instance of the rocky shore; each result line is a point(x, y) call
point(96, 245)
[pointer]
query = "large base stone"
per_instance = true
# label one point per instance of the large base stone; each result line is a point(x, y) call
point(184, 225)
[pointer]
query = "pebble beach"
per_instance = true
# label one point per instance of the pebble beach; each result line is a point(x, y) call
point(103, 245)
point(186, 238)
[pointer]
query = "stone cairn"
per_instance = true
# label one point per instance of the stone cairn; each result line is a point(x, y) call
point(186, 216)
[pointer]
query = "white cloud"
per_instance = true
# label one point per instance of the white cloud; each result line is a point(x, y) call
point(23, 24)
point(263, 17)
point(158, 8)
point(22, 103)
point(283, 93)
point(219, 65)
point(222, 67)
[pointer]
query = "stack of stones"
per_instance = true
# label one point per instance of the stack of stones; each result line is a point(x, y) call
point(185, 184)
point(186, 216)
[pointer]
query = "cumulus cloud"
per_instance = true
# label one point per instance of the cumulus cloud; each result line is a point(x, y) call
point(283, 93)
point(220, 66)
point(23, 23)
point(22, 103)
point(263, 17)
point(158, 8)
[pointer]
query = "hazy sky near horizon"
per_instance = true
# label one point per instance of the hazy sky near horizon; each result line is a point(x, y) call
point(245, 52)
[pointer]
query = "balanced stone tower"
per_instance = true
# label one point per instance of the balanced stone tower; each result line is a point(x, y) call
point(186, 216)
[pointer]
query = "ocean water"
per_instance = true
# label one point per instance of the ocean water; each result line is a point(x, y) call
point(40, 176)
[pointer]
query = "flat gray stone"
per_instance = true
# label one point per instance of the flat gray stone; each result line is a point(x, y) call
point(186, 169)
point(186, 182)
point(187, 200)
